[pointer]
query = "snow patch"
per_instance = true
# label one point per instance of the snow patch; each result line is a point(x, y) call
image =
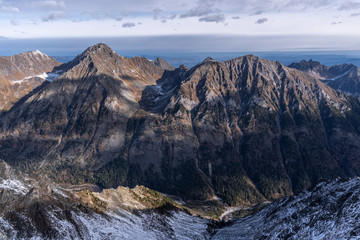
point(15, 185)
point(52, 76)
point(340, 76)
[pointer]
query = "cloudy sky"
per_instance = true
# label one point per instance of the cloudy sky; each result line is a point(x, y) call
point(333, 22)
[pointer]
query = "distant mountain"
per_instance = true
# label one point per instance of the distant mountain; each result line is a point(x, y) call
point(344, 77)
point(20, 74)
point(330, 210)
point(238, 132)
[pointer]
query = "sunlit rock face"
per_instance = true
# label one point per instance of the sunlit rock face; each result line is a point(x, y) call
point(20, 74)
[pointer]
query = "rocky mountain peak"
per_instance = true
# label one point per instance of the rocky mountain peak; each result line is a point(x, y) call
point(20, 74)
point(208, 59)
point(163, 64)
point(95, 60)
point(100, 48)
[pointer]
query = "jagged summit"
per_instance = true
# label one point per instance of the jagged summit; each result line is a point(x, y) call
point(163, 64)
point(100, 48)
point(208, 59)
point(306, 65)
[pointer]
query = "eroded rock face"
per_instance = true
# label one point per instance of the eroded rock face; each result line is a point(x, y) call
point(20, 74)
point(344, 77)
point(245, 130)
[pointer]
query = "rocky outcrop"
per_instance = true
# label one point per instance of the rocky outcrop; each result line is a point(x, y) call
point(344, 77)
point(20, 74)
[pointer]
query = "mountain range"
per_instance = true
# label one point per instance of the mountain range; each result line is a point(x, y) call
point(221, 135)
point(244, 131)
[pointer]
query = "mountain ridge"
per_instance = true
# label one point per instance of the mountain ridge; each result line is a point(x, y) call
point(343, 77)
point(20, 74)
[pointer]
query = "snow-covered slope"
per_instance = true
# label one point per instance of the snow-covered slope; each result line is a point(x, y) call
point(331, 210)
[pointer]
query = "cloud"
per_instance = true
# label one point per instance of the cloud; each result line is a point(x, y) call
point(55, 16)
point(156, 13)
point(165, 18)
point(236, 17)
point(203, 8)
point(10, 9)
point(335, 23)
point(213, 18)
point(355, 15)
point(128, 25)
point(261, 21)
point(349, 6)
point(256, 13)
point(49, 4)
point(14, 22)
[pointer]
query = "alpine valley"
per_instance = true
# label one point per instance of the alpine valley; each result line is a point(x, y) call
point(109, 147)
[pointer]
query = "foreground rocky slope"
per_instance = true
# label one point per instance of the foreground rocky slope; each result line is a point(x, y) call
point(241, 132)
point(35, 208)
point(20, 74)
point(344, 77)
point(330, 210)
point(38, 209)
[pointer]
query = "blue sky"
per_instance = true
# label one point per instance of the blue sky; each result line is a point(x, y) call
point(328, 24)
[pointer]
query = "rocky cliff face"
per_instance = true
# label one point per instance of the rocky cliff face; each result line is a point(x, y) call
point(344, 77)
point(242, 131)
point(22, 73)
